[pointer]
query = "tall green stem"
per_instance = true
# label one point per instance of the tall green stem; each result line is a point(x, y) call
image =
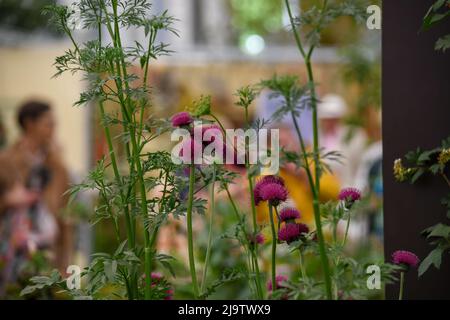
point(402, 284)
point(254, 258)
point(274, 248)
point(347, 227)
point(302, 265)
point(211, 219)
point(314, 185)
point(112, 156)
point(189, 231)
point(254, 248)
point(253, 206)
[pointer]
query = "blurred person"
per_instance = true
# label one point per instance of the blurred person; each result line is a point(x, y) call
point(335, 136)
point(16, 238)
point(38, 162)
point(369, 179)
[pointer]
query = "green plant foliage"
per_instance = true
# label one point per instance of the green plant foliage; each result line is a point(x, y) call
point(437, 13)
point(420, 163)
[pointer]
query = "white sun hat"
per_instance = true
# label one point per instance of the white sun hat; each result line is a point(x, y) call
point(331, 106)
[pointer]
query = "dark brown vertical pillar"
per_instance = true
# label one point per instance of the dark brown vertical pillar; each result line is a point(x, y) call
point(416, 112)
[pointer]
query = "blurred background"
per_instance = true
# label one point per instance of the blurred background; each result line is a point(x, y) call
point(223, 45)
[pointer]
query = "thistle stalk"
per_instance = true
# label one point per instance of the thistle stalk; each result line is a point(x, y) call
point(314, 184)
point(402, 284)
point(274, 248)
point(189, 231)
point(211, 219)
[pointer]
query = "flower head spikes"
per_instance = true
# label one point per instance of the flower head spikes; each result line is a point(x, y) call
point(289, 214)
point(349, 196)
point(278, 283)
point(273, 193)
point(182, 119)
point(291, 232)
point(270, 188)
point(405, 258)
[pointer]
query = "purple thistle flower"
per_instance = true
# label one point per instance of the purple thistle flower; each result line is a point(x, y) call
point(273, 192)
point(157, 280)
point(256, 195)
point(291, 232)
point(156, 276)
point(181, 119)
point(289, 214)
point(169, 294)
point(405, 258)
point(352, 194)
point(273, 179)
point(258, 238)
point(262, 182)
point(278, 282)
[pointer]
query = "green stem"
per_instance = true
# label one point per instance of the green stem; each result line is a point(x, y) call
point(211, 219)
point(252, 250)
point(278, 220)
point(274, 249)
point(294, 29)
point(189, 231)
point(315, 185)
point(135, 163)
point(402, 284)
point(347, 227)
point(255, 224)
point(151, 40)
point(302, 265)
point(112, 156)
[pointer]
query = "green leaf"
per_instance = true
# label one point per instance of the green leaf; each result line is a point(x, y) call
point(417, 175)
point(443, 43)
point(431, 18)
point(433, 258)
point(439, 230)
point(169, 267)
point(143, 61)
point(119, 249)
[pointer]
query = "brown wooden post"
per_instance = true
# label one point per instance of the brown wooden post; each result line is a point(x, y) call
point(416, 112)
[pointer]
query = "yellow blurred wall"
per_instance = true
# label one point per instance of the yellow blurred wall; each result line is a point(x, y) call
point(27, 73)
